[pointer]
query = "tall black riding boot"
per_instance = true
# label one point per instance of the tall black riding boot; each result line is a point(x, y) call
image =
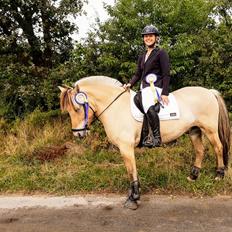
point(153, 139)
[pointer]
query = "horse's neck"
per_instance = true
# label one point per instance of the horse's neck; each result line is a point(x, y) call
point(115, 115)
point(103, 96)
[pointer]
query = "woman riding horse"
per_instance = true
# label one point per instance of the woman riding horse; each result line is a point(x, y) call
point(154, 61)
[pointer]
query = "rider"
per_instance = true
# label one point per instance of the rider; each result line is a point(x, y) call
point(155, 60)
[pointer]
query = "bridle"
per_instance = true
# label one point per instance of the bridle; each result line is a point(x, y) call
point(81, 99)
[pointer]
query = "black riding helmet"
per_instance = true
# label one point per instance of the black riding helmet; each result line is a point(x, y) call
point(150, 29)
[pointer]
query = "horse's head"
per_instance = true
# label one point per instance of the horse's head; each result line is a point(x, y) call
point(77, 104)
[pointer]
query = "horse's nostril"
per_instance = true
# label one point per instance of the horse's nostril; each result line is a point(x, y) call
point(79, 135)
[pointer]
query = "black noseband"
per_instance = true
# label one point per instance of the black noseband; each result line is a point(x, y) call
point(82, 129)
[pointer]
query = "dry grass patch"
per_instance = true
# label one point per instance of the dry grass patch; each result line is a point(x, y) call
point(40, 154)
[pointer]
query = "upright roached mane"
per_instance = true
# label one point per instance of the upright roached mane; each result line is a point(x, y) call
point(102, 80)
point(65, 100)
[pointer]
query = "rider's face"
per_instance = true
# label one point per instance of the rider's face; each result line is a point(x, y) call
point(149, 39)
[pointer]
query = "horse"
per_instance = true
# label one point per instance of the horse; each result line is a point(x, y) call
point(202, 111)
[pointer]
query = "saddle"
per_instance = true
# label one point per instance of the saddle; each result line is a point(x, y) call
point(170, 112)
point(139, 107)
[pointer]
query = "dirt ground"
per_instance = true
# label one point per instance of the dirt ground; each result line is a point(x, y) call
point(106, 213)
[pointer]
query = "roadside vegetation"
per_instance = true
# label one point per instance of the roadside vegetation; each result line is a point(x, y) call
point(37, 54)
point(40, 155)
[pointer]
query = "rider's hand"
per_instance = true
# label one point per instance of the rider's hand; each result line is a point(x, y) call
point(165, 99)
point(127, 86)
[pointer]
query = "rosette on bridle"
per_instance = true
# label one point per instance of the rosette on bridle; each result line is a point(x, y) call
point(81, 99)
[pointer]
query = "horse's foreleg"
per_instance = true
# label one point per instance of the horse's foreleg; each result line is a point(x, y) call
point(134, 191)
point(196, 138)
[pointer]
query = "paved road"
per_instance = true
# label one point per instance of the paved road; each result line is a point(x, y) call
point(96, 213)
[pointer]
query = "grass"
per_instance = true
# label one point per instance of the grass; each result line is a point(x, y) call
point(39, 154)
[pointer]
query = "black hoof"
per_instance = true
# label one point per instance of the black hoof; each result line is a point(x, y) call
point(131, 204)
point(220, 173)
point(194, 173)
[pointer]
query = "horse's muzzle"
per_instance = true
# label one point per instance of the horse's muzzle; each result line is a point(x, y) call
point(81, 134)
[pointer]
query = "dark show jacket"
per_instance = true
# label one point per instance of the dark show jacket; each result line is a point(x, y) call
point(157, 63)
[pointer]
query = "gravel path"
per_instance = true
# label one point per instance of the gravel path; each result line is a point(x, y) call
point(106, 213)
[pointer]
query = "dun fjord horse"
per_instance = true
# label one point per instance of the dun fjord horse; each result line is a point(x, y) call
point(201, 111)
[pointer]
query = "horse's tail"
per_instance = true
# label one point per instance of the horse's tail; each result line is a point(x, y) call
point(223, 126)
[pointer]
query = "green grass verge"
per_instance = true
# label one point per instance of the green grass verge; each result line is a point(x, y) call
point(93, 165)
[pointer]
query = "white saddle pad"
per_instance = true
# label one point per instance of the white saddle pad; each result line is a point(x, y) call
point(169, 112)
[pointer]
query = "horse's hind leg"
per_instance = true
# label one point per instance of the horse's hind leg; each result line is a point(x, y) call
point(196, 138)
point(217, 145)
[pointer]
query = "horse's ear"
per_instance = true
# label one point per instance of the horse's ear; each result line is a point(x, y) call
point(76, 88)
point(62, 89)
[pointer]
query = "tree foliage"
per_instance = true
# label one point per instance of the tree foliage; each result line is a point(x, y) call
point(196, 34)
point(37, 31)
point(37, 52)
point(35, 38)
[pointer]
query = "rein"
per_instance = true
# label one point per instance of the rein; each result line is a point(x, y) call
point(111, 103)
point(86, 109)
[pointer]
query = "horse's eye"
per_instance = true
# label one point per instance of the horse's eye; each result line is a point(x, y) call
point(77, 108)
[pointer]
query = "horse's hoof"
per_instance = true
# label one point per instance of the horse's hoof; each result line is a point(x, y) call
point(220, 173)
point(194, 173)
point(130, 204)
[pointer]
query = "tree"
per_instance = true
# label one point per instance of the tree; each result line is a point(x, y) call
point(38, 31)
point(196, 34)
point(120, 42)
point(35, 38)
point(214, 64)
